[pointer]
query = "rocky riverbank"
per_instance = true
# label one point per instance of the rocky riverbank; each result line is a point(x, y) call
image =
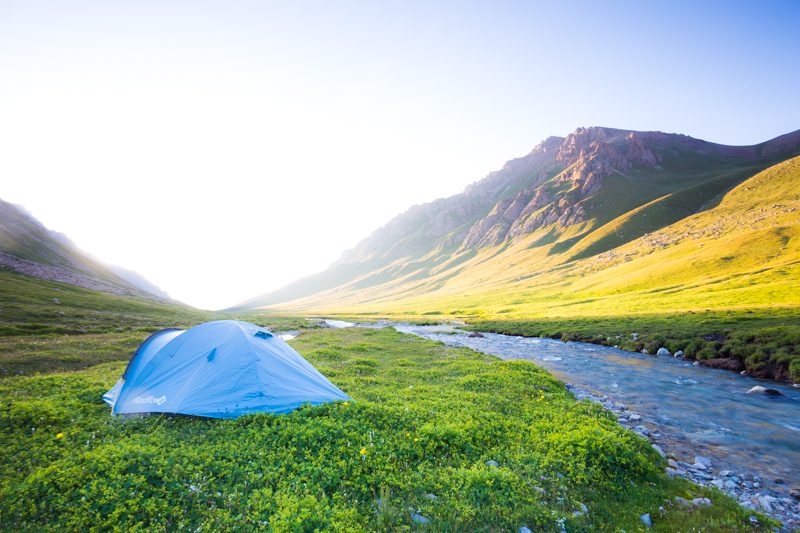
point(776, 498)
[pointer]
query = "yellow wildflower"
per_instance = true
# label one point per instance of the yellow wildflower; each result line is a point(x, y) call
point(408, 434)
point(59, 435)
point(363, 451)
point(346, 404)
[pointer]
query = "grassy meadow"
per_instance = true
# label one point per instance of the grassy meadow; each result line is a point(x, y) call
point(414, 450)
point(411, 451)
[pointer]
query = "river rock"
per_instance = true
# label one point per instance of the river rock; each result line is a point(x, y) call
point(758, 389)
point(730, 485)
point(724, 473)
point(475, 334)
point(795, 493)
point(678, 354)
point(696, 363)
point(765, 502)
point(646, 520)
point(700, 460)
point(671, 472)
point(663, 351)
point(645, 352)
point(661, 452)
point(642, 430)
point(635, 417)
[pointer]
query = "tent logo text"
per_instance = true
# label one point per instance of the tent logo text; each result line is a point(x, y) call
point(150, 399)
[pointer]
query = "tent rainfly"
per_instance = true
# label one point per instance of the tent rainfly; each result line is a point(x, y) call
point(221, 369)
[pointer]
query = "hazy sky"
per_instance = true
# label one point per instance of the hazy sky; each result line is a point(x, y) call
point(223, 149)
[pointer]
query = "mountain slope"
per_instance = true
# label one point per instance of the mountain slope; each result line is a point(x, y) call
point(569, 199)
point(28, 247)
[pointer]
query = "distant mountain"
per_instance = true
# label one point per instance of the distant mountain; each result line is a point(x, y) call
point(139, 281)
point(28, 247)
point(568, 200)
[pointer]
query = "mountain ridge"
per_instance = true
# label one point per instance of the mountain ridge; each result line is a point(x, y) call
point(565, 188)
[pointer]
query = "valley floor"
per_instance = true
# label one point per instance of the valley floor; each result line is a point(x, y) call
point(435, 438)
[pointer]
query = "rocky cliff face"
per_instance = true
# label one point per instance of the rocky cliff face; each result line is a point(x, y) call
point(553, 184)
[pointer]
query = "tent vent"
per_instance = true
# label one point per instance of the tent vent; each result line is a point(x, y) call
point(262, 334)
point(211, 354)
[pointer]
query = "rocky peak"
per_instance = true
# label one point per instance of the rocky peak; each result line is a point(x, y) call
point(584, 158)
point(549, 145)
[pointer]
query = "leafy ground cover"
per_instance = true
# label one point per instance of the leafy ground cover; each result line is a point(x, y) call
point(413, 444)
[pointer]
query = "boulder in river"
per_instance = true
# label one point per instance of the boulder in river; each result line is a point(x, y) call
point(678, 354)
point(475, 334)
point(663, 351)
point(758, 389)
point(645, 352)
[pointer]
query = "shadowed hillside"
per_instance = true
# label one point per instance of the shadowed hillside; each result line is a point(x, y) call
point(29, 248)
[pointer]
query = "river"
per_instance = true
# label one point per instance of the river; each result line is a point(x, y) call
point(691, 410)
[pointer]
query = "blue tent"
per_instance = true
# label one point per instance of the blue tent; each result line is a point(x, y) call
point(220, 369)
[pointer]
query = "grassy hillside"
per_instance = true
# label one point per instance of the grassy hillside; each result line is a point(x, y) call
point(741, 254)
point(569, 198)
point(412, 446)
point(47, 325)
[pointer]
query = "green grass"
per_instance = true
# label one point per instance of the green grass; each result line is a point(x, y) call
point(81, 327)
point(425, 420)
point(730, 271)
